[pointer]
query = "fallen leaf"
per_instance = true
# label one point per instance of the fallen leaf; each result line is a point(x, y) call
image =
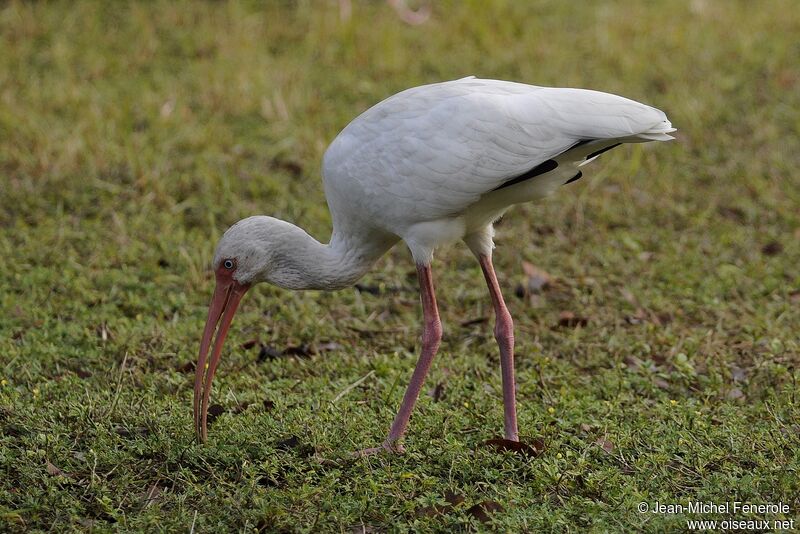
point(453, 499)
point(629, 297)
point(268, 404)
point(632, 362)
point(437, 392)
point(289, 443)
point(82, 373)
point(247, 345)
point(570, 320)
point(477, 320)
point(661, 383)
point(432, 511)
point(638, 317)
point(484, 509)
point(240, 408)
point(663, 318)
point(735, 394)
point(733, 213)
point(294, 168)
point(586, 428)
point(55, 471)
point(773, 248)
point(303, 350)
point(214, 411)
point(605, 444)
point(372, 290)
point(536, 279)
point(268, 352)
point(294, 443)
point(533, 449)
point(738, 374)
point(153, 495)
point(187, 367)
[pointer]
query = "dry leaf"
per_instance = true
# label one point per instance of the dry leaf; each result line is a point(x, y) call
point(437, 392)
point(638, 317)
point(268, 352)
point(247, 345)
point(570, 320)
point(305, 350)
point(187, 367)
point(82, 373)
point(738, 374)
point(240, 408)
point(214, 411)
point(483, 510)
point(153, 495)
point(735, 394)
point(629, 297)
point(661, 383)
point(531, 450)
point(605, 444)
point(294, 443)
point(633, 362)
point(733, 213)
point(55, 471)
point(536, 279)
point(773, 248)
point(453, 499)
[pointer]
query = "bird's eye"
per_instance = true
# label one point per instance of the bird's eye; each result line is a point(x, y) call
point(228, 264)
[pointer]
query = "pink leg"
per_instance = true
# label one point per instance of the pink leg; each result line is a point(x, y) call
point(504, 334)
point(431, 337)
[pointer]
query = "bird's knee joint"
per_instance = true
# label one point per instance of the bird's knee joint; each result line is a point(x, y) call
point(504, 327)
point(432, 335)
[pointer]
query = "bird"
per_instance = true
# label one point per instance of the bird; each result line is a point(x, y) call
point(429, 166)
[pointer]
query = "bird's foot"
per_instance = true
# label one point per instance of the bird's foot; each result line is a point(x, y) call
point(394, 448)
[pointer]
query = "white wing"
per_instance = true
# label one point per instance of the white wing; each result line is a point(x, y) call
point(432, 151)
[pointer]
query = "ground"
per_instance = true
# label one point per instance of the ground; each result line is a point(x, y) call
point(656, 300)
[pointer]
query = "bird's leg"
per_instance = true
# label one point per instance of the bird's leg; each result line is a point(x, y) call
point(504, 334)
point(431, 338)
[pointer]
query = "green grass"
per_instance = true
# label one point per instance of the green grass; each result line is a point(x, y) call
point(131, 137)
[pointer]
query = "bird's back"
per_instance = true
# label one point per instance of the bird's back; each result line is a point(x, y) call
point(435, 151)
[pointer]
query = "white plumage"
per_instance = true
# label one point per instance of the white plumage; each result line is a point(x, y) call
point(432, 165)
point(425, 164)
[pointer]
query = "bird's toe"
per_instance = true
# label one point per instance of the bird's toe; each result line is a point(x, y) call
point(394, 448)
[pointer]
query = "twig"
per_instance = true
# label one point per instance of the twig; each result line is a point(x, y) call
point(351, 387)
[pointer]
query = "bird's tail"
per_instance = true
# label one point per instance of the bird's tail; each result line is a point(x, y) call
point(659, 132)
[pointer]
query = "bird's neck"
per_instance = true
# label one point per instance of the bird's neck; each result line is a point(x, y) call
point(308, 264)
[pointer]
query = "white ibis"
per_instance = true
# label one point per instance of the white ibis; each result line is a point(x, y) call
point(429, 166)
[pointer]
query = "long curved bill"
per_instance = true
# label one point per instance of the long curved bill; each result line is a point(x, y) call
point(223, 306)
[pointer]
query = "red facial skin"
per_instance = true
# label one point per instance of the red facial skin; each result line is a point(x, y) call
point(223, 306)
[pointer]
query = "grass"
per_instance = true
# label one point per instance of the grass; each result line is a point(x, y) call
point(131, 136)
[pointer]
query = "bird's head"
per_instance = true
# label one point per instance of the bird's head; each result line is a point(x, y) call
point(243, 257)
